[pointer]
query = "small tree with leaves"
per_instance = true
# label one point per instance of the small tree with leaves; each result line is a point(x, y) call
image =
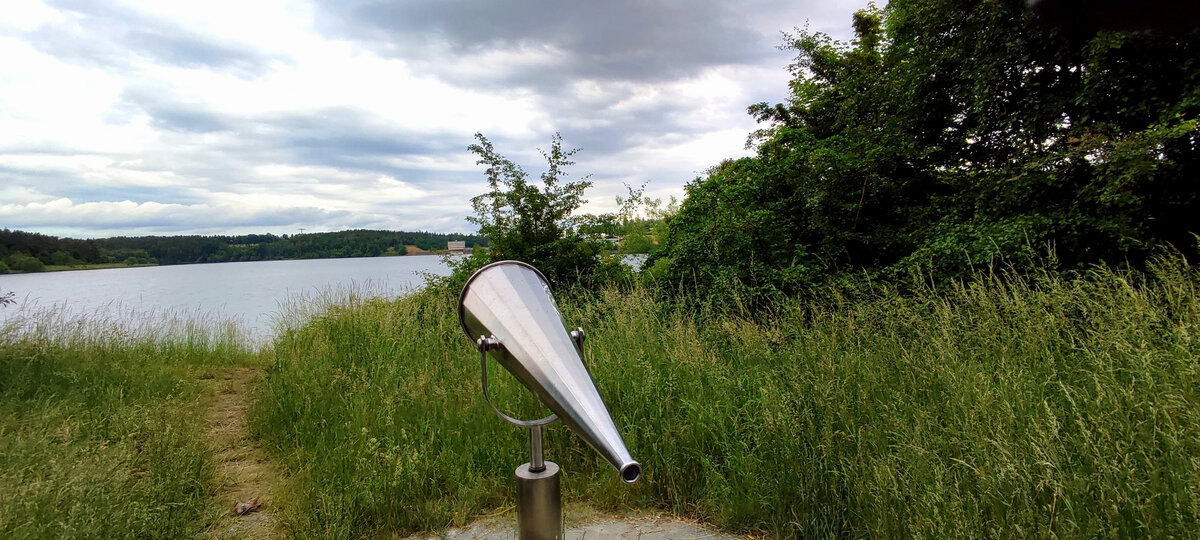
point(538, 222)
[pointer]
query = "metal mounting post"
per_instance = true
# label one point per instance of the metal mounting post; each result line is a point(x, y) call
point(536, 462)
point(539, 495)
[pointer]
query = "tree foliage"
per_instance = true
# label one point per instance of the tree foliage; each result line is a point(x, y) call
point(947, 135)
point(539, 222)
point(642, 220)
point(21, 262)
point(256, 247)
point(16, 247)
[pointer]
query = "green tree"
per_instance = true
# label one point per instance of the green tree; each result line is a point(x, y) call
point(635, 238)
point(951, 134)
point(25, 263)
point(62, 258)
point(638, 217)
point(539, 222)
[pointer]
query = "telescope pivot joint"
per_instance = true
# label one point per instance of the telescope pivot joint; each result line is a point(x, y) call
point(488, 343)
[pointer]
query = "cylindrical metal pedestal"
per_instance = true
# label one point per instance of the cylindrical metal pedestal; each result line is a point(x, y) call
point(539, 503)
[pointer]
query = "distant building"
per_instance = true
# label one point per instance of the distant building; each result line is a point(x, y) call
point(456, 246)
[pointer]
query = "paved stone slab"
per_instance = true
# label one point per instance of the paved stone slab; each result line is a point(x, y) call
point(639, 528)
point(645, 529)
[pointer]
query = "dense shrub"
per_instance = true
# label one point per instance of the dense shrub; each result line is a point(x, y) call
point(21, 262)
point(538, 223)
point(949, 136)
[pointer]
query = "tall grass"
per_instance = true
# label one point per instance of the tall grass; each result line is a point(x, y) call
point(115, 327)
point(1024, 406)
point(102, 425)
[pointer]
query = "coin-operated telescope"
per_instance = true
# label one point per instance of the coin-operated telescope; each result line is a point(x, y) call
point(507, 310)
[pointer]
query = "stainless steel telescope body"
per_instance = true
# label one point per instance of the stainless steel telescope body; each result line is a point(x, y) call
point(511, 302)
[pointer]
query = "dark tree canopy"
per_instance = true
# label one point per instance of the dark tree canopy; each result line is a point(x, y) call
point(952, 134)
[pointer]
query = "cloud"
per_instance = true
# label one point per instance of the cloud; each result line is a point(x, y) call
point(234, 116)
point(169, 114)
point(626, 40)
point(343, 137)
point(124, 215)
point(609, 75)
point(539, 44)
point(114, 36)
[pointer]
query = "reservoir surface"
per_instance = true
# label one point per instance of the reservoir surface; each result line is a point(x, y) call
point(254, 294)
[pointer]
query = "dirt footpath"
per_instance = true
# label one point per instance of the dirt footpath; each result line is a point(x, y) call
point(244, 473)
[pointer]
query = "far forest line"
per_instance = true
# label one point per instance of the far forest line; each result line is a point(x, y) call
point(22, 251)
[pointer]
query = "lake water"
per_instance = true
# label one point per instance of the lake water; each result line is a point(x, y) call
point(252, 293)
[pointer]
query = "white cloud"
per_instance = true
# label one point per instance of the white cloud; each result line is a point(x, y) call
point(25, 15)
point(67, 212)
point(234, 116)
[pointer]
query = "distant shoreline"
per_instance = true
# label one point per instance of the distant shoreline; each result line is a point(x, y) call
point(97, 266)
point(108, 266)
point(31, 252)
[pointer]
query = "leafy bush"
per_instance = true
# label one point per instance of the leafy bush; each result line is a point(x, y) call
point(539, 225)
point(62, 258)
point(950, 136)
point(25, 263)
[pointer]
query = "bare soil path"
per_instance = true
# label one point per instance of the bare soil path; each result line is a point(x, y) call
point(243, 471)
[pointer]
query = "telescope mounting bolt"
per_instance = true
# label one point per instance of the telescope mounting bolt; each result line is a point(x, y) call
point(578, 336)
point(488, 343)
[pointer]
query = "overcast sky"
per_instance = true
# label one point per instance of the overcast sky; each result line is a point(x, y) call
point(264, 116)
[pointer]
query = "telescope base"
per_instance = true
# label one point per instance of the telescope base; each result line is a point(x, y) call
point(539, 503)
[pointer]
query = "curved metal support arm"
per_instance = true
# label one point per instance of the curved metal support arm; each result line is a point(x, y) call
point(486, 344)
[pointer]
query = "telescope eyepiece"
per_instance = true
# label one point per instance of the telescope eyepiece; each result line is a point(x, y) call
point(630, 473)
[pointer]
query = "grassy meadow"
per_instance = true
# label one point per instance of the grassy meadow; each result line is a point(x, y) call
point(1044, 405)
point(102, 427)
point(1052, 404)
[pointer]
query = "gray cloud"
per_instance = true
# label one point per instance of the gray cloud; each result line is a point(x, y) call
point(171, 115)
point(166, 218)
point(339, 137)
point(621, 40)
point(114, 36)
point(344, 138)
point(188, 50)
point(55, 185)
point(337, 134)
point(625, 48)
point(621, 80)
point(189, 120)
